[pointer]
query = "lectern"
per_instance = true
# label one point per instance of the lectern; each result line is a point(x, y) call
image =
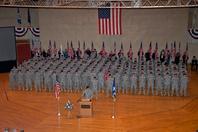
point(86, 108)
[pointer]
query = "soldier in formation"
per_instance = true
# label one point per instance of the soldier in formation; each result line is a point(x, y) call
point(132, 76)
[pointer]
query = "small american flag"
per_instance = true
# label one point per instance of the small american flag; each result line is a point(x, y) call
point(18, 16)
point(57, 90)
point(109, 19)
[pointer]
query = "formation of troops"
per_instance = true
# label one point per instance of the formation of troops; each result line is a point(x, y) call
point(98, 70)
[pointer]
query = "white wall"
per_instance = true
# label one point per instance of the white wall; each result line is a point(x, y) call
point(8, 17)
point(157, 25)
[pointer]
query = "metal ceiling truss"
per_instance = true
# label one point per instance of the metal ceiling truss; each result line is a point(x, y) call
point(98, 3)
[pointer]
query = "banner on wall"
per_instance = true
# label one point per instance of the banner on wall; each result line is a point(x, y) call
point(193, 33)
point(30, 33)
point(21, 31)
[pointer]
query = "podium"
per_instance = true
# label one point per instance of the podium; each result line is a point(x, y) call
point(86, 108)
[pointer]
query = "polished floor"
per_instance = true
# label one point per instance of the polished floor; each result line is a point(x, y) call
point(37, 112)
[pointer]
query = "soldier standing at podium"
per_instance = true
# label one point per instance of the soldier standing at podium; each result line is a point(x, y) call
point(87, 93)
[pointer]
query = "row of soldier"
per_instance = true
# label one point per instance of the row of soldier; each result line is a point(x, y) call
point(135, 76)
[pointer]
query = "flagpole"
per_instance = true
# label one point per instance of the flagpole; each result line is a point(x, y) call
point(58, 107)
point(113, 113)
point(114, 98)
point(57, 95)
point(57, 89)
point(58, 113)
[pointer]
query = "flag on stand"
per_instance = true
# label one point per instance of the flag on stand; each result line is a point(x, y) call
point(84, 46)
point(55, 49)
point(156, 50)
point(61, 49)
point(106, 75)
point(103, 53)
point(130, 52)
point(156, 46)
point(71, 52)
point(92, 46)
point(67, 45)
point(150, 48)
point(187, 50)
point(122, 46)
point(109, 19)
point(103, 45)
point(40, 45)
point(166, 50)
point(18, 16)
point(50, 47)
point(50, 44)
point(114, 89)
point(141, 49)
point(54, 44)
point(174, 49)
point(166, 46)
point(141, 52)
point(29, 17)
point(35, 47)
point(179, 47)
point(57, 89)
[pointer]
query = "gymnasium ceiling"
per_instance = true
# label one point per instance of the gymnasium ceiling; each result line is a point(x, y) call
point(98, 3)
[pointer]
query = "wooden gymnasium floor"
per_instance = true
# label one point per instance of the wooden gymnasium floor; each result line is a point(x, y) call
point(36, 112)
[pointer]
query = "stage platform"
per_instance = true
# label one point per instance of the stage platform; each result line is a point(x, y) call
point(37, 112)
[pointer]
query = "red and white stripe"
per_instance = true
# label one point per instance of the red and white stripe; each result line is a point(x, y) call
point(106, 75)
point(111, 26)
point(130, 54)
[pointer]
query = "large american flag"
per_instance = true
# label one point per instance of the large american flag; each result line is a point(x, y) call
point(57, 89)
point(109, 19)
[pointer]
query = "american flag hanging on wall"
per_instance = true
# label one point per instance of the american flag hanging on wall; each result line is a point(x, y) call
point(109, 19)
